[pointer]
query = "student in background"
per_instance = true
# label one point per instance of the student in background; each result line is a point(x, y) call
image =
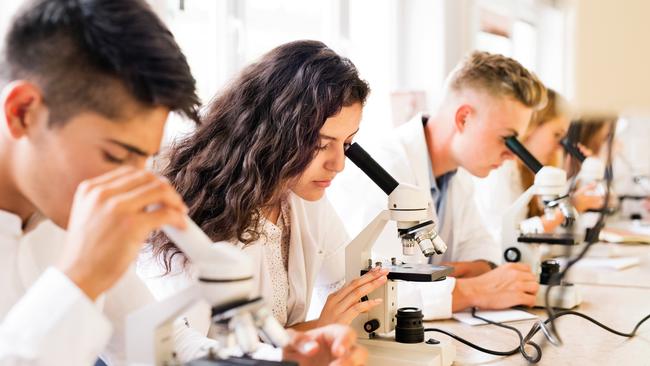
point(497, 192)
point(486, 98)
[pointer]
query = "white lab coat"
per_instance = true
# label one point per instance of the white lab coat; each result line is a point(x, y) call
point(47, 319)
point(405, 156)
point(316, 265)
point(496, 193)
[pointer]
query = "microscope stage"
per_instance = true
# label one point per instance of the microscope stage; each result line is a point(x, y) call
point(545, 238)
point(416, 272)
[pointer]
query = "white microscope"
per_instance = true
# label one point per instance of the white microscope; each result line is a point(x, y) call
point(592, 171)
point(225, 282)
point(527, 245)
point(411, 208)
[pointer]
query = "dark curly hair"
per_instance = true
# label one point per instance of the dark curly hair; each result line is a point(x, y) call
point(256, 136)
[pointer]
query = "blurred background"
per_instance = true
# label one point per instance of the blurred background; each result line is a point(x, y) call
point(403, 48)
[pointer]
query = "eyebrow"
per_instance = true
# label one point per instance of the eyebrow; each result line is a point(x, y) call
point(334, 138)
point(131, 148)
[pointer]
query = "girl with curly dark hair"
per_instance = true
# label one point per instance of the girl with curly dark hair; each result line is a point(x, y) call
point(254, 174)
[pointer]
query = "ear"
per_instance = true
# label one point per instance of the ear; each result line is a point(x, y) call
point(22, 102)
point(460, 119)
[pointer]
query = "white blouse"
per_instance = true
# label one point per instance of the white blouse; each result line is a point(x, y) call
point(276, 239)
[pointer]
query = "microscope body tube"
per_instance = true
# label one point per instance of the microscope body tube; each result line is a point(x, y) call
point(522, 153)
point(572, 149)
point(371, 168)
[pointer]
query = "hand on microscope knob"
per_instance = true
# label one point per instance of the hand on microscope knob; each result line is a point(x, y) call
point(508, 285)
point(344, 305)
point(585, 198)
point(332, 345)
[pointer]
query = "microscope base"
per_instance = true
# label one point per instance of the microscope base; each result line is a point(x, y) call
point(566, 296)
point(387, 352)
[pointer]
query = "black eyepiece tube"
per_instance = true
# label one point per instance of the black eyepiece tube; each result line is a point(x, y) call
point(373, 170)
point(572, 149)
point(526, 157)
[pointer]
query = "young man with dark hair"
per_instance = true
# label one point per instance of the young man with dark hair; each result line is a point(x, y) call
point(86, 88)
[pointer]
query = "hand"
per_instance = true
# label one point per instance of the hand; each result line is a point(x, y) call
point(585, 150)
point(468, 269)
point(506, 286)
point(333, 345)
point(345, 304)
point(585, 198)
point(109, 222)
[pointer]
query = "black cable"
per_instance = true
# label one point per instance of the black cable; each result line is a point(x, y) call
point(527, 341)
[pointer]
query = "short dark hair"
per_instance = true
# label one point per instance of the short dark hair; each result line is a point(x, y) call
point(85, 54)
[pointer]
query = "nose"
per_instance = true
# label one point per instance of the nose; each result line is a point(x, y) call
point(336, 162)
point(508, 155)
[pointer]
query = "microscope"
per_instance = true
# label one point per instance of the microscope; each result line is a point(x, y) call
point(527, 244)
point(225, 281)
point(592, 171)
point(389, 343)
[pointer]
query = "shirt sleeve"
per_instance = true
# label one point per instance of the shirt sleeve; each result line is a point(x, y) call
point(53, 316)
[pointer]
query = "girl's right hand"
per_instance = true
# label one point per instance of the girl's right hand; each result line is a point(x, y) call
point(345, 304)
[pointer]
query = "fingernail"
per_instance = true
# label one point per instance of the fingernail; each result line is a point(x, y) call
point(378, 300)
point(341, 351)
point(309, 346)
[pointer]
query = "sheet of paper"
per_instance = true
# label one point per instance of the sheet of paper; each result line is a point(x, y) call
point(501, 316)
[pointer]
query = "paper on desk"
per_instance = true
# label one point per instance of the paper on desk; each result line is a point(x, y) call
point(615, 264)
point(501, 316)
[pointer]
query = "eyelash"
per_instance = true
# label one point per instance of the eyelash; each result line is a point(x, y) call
point(345, 146)
point(112, 159)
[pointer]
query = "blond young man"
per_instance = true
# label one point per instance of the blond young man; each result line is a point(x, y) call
point(486, 99)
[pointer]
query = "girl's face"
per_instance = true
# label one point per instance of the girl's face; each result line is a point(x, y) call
point(335, 135)
point(544, 141)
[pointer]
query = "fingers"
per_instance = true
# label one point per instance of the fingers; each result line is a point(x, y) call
point(522, 267)
point(357, 356)
point(356, 294)
point(356, 309)
point(340, 338)
point(508, 299)
point(529, 287)
point(89, 184)
point(303, 344)
point(153, 192)
point(150, 221)
point(372, 275)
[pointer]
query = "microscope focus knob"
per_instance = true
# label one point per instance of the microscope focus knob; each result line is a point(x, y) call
point(371, 325)
point(512, 254)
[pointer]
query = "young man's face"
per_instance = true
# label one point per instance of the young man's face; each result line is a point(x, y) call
point(479, 145)
point(49, 162)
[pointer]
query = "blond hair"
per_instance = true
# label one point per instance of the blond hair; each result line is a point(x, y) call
point(499, 76)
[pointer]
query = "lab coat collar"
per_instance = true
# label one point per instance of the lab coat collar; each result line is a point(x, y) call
point(12, 225)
